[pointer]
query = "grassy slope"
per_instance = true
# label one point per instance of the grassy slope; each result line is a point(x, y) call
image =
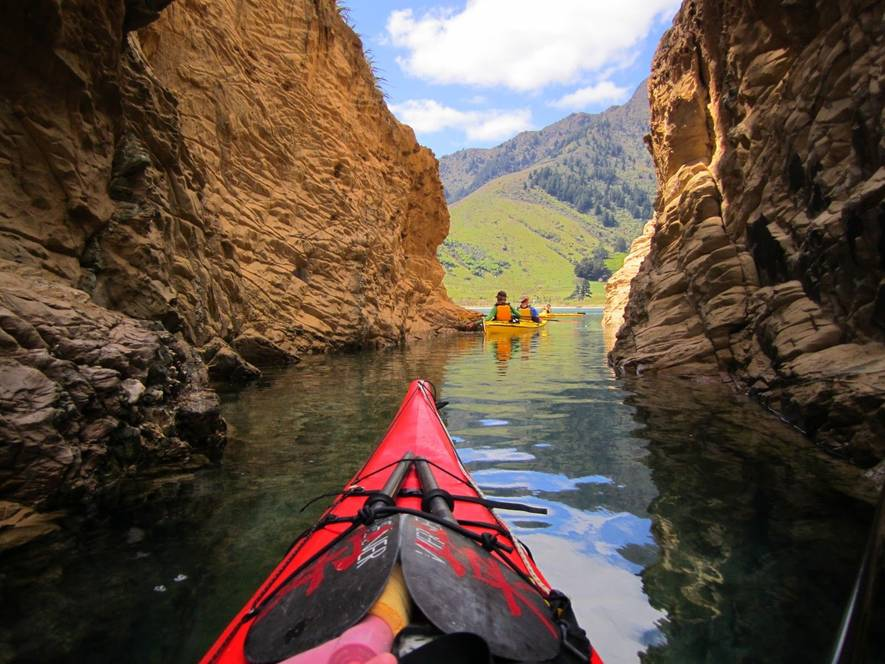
point(540, 237)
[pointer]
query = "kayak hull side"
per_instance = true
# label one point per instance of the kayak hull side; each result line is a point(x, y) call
point(496, 326)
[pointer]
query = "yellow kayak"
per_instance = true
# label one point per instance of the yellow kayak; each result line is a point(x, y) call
point(491, 326)
point(544, 314)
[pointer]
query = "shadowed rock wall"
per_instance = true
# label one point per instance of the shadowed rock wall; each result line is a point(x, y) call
point(230, 175)
point(768, 256)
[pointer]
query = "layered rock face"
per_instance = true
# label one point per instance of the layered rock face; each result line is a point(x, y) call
point(768, 255)
point(89, 396)
point(230, 176)
point(617, 288)
point(245, 181)
point(332, 210)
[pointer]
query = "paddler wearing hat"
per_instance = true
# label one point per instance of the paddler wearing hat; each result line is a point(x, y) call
point(526, 310)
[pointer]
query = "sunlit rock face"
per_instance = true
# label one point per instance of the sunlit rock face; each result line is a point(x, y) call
point(768, 255)
point(230, 175)
point(330, 209)
point(617, 288)
point(233, 170)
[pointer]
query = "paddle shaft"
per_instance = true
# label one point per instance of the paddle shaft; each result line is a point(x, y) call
point(438, 506)
point(391, 487)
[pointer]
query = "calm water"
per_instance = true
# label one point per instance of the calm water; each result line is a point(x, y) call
point(686, 523)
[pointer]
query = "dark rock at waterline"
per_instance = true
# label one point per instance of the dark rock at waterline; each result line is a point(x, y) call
point(89, 397)
point(225, 364)
point(198, 421)
point(259, 350)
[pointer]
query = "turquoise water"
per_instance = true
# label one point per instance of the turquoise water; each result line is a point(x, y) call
point(687, 524)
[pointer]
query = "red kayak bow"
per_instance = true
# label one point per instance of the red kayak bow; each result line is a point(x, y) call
point(463, 568)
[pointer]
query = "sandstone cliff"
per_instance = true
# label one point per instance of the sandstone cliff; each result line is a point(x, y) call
point(331, 209)
point(229, 175)
point(617, 288)
point(768, 255)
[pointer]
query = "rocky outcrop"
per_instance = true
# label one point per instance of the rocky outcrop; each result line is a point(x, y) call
point(225, 364)
point(90, 396)
point(233, 173)
point(768, 255)
point(617, 288)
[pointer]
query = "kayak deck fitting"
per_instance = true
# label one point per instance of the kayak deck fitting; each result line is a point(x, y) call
point(411, 534)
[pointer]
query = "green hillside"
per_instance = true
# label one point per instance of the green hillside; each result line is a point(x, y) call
point(524, 241)
point(584, 182)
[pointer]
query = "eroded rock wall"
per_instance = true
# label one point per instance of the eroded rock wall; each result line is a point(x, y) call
point(768, 255)
point(229, 176)
point(245, 180)
point(617, 288)
point(89, 396)
point(332, 209)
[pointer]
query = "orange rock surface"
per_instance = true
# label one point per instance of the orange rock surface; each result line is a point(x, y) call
point(617, 288)
point(332, 210)
point(768, 256)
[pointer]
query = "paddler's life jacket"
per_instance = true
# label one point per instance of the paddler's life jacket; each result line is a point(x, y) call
point(503, 312)
point(525, 312)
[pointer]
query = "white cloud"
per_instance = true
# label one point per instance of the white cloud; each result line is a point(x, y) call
point(497, 126)
point(427, 116)
point(522, 44)
point(594, 94)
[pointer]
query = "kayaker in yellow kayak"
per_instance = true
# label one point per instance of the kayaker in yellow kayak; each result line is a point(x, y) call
point(526, 310)
point(503, 310)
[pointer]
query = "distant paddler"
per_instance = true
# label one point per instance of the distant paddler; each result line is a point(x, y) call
point(526, 310)
point(502, 310)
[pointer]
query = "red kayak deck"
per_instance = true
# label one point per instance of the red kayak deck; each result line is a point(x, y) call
point(416, 428)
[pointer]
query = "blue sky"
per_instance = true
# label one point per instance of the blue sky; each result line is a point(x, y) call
point(474, 73)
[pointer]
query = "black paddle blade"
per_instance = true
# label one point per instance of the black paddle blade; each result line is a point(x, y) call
point(460, 587)
point(330, 595)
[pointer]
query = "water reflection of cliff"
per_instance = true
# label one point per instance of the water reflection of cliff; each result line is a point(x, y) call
point(743, 500)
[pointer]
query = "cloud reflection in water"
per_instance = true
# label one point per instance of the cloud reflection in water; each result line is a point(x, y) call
point(474, 455)
point(497, 478)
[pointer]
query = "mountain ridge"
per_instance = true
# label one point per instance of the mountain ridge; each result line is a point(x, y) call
point(465, 170)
